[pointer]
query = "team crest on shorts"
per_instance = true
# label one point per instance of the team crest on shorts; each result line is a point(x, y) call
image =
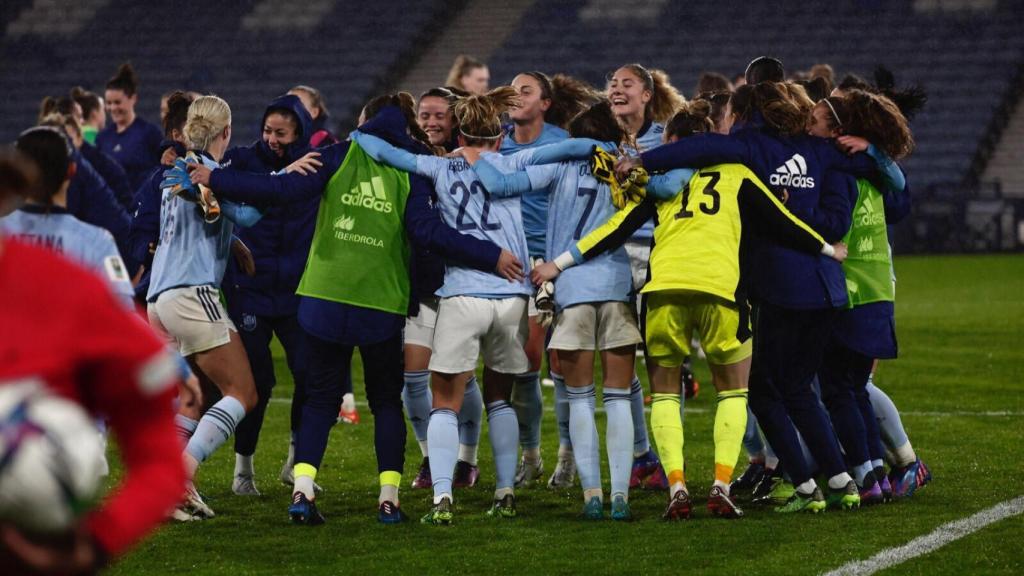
point(248, 322)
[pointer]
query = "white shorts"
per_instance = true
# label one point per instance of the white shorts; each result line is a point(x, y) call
point(639, 259)
point(419, 329)
point(192, 317)
point(467, 326)
point(595, 326)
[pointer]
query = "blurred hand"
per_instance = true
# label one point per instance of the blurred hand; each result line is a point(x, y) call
point(625, 164)
point(71, 553)
point(509, 267)
point(169, 156)
point(544, 273)
point(306, 165)
point(841, 251)
point(244, 257)
point(199, 174)
point(852, 144)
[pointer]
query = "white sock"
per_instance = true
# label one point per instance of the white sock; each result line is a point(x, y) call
point(904, 455)
point(423, 447)
point(839, 481)
point(439, 497)
point(468, 453)
point(723, 486)
point(591, 492)
point(304, 484)
point(502, 492)
point(243, 465)
point(531, 455)
point(677, 487)
point(565, 453)
point(807, 487)
point(388, 493)
point(859, 472)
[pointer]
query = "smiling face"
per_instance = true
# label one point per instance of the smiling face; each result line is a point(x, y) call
point(534, 105)
point(627, 93)
point(435, 118)
point(120, 106)
point(279, 130)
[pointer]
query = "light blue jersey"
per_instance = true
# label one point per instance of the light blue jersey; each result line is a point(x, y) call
point(469, 208)
point(89, 245)
point(648, 139)
point(535, 202)
point(190, 251)
point(578, 204)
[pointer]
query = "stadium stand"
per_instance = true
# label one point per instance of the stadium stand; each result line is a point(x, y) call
point(965, 58)
point(221, 47)
point(968, 54)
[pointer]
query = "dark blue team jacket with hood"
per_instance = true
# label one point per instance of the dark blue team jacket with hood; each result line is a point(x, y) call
point(812, 177)
point(280, 241)
point(342, 323)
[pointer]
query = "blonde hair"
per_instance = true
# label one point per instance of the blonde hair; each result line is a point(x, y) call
point(479, 117)
point(462, 66)
point(665, 99)
point(208, 116)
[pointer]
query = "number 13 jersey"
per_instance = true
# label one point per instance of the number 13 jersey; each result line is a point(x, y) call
point(699, 233)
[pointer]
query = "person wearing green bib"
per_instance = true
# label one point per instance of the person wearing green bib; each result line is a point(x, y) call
point(865, 330)
point(356, 288)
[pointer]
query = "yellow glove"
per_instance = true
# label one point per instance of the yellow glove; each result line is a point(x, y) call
point(636, 185)
point(602, 165)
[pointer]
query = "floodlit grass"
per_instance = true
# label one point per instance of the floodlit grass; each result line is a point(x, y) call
point(960, 322)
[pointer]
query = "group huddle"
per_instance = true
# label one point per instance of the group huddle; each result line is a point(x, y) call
point(747, 225)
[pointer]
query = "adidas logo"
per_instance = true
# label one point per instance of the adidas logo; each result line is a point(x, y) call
point(793, 173)
point(369, 195)
point(865, 244)
point(867, 216)
point(346, 223)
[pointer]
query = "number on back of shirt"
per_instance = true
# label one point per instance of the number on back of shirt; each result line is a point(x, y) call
point(463, 221)
point(710, 205)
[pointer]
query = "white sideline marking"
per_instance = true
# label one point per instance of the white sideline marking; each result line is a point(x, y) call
point(938, 538)
point(695, 410)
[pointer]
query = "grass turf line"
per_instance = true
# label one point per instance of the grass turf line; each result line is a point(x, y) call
point(960, 322)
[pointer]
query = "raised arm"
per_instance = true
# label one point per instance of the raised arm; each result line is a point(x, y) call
point(695, 152)
point(381, 151)
point(569, 149)
point(499, 184)
point(667, 185)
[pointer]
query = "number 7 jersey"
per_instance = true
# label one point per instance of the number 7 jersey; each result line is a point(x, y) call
point(469, 208)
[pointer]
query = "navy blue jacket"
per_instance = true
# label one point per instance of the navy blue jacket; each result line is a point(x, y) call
point(353, 325)
point(280, 241)
point(112, 173)
point(93, 202)
point(137, 149)
point(812, 177)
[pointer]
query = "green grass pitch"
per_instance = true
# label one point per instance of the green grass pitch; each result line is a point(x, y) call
point(958, 382)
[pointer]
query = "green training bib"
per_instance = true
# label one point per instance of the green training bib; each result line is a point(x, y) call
point(360, 254)
point(868, 266)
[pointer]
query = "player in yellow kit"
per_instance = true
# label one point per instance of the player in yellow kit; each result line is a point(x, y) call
point(696, 284)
